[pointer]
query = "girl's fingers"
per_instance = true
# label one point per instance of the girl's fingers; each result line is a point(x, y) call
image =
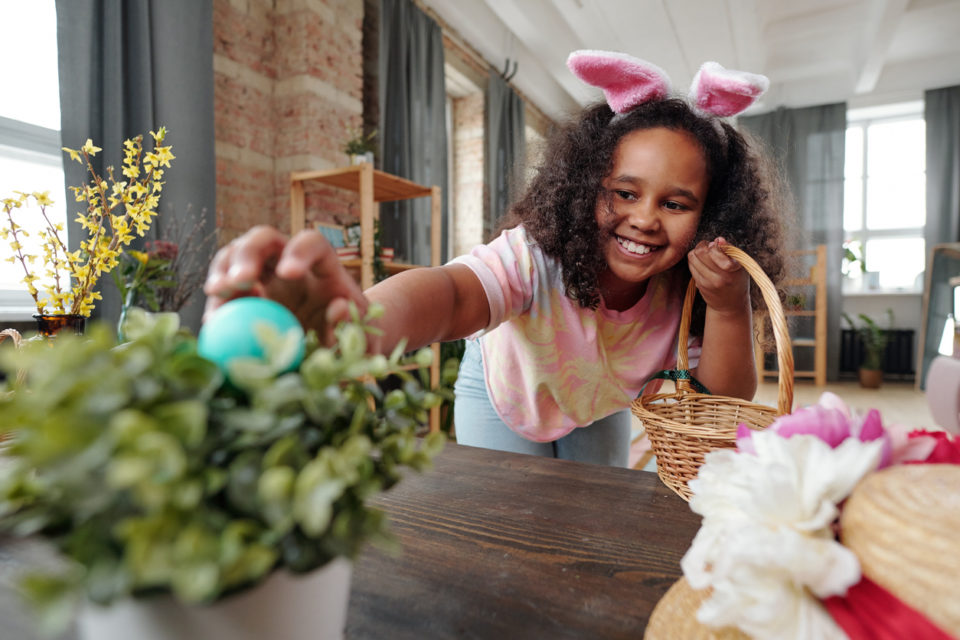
point(720, 278)
point(241, 267)
point(304, 253)
point(310, 257)
point(712, 256)
point(244, 261)
point(302, 273)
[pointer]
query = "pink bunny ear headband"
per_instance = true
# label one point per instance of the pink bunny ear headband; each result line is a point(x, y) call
point(627, 82)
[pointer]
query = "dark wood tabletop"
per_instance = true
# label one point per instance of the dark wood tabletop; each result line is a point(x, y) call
point(499, 545)
point(495, 546)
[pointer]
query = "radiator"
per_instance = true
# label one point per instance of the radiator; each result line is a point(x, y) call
point(897, 359)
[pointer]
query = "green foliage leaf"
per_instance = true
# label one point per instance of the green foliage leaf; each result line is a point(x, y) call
point(148, 471)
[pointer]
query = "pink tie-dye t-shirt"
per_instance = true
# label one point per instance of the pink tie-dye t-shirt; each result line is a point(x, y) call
point(551, 365)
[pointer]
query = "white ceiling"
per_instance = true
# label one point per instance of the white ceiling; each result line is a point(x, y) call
point(864, 52)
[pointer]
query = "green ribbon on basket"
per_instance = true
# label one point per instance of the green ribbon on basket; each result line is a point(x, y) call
point(676, 375)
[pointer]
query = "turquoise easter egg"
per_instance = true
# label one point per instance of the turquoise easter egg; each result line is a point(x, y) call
point(243, 328)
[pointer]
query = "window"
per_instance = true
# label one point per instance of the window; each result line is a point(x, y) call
point(884, 209)
point(30, 156)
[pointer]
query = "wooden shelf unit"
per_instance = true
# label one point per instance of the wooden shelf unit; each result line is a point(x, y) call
point(817, 279)
point(373, 187)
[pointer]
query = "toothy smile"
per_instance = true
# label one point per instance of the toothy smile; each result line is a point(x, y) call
point(633, 247)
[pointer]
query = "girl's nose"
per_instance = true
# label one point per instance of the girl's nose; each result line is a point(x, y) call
point(644, 216)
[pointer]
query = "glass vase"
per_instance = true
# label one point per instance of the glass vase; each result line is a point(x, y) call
point(51, 324)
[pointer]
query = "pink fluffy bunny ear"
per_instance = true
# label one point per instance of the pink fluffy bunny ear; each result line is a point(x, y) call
point(725, 92)
point(626, 81)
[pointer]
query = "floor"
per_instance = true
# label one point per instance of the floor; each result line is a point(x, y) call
point(898, 403)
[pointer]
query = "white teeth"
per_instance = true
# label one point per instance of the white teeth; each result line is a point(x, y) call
point(633, 247)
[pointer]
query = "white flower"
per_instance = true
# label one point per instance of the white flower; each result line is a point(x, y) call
point(766, 544)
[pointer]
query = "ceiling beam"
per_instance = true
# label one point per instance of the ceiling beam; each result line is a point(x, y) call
point(747, 35)
point(877, 36)
point(584, 18)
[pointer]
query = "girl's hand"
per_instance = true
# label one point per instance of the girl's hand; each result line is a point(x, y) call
point(303, 273)
point(723, 283)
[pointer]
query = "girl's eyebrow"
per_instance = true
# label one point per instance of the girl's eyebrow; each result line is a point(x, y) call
point(677, 191)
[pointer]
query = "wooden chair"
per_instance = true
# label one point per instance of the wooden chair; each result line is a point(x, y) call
point(813, 290)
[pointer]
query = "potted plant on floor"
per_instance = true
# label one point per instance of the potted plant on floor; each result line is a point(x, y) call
point(874, 341)
point(191, 503)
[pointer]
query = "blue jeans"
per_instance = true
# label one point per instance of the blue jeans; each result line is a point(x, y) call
point(606, 441)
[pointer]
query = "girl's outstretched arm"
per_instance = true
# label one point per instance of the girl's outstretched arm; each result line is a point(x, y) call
point(304, 274)
point(431, 304)
point(727, 365)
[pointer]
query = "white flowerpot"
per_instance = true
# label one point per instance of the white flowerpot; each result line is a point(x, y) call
point(358, 158)
point(286, 606)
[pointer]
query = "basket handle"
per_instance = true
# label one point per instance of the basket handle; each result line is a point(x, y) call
point(777, 319)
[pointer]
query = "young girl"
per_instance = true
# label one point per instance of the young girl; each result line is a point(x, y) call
point(577, 302)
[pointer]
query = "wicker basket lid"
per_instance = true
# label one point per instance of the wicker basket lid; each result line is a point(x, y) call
point(675, 617)
point(903, 523)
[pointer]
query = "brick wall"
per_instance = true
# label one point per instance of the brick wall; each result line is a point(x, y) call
point(289, 82)
point(468, 178)
point(287, 85)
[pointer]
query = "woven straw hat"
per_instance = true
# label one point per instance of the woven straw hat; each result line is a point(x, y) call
point(675, 617)
point(903, 523)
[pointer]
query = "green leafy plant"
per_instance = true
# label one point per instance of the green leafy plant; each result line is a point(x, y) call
point(149, 474)
point(358, 143)
point(852, 259)
point(451, 354)
point(873, 337)
point(140, 278)
point(796, 301)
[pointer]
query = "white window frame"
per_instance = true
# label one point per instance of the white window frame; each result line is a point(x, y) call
point(864, 119)
point(39, 145)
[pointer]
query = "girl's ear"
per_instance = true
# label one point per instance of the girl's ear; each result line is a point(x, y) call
point(725, 92)
point(626, 81)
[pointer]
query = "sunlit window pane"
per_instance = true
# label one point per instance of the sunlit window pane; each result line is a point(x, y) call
point(28, 74)
point(897, 204)
point(853, 153)
point(852, 204)
point(896, 148)
point(26, 172)
point(900, 261)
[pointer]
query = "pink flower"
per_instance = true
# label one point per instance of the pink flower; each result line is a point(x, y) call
point(831, 421)
point(163, 249)
point(942, 448)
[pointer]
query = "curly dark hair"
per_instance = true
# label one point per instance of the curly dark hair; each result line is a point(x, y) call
point(746, 202)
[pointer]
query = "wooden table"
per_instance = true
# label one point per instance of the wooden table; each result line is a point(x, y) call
point(499, 545)
point(502, 546)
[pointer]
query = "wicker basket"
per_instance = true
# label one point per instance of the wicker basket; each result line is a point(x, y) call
point(683, 426)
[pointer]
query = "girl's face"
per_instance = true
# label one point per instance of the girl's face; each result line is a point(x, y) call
point(649, 210)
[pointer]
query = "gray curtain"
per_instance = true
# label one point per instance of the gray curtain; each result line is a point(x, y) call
point(942, 114)
point(809, 145)
point(505, 148)
point(412, 124)
point(128, 67)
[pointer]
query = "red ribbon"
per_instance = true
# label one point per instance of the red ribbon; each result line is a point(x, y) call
point(870, 612)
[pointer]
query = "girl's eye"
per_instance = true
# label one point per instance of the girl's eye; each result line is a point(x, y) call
point(625, 195)
point(675, 206)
